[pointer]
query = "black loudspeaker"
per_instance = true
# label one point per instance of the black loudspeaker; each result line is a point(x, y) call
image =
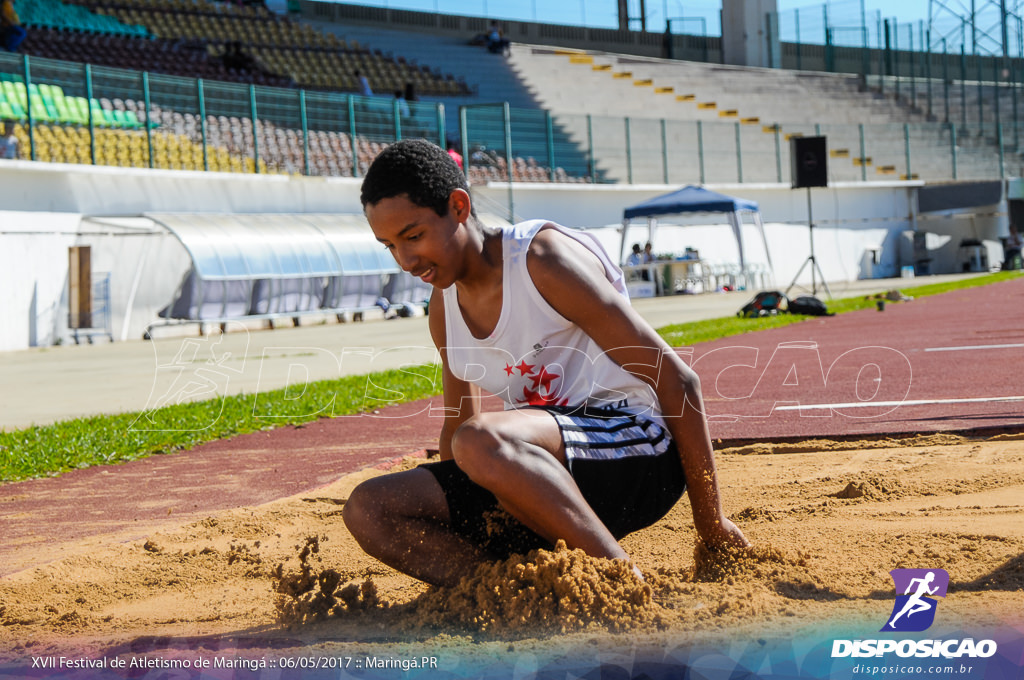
point(809, 156)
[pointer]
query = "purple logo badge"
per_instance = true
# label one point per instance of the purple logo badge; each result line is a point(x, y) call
point(914, 609)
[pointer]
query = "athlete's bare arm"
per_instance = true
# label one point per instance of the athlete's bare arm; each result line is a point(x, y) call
point(461, 399)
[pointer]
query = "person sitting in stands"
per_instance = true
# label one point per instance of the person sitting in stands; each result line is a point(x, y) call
point(236, 59)
point(403, 106)
point(363, 84)
point(481, 155)
point(12, 33)
point(9, 143)
point(453, 151)
point(496, 42)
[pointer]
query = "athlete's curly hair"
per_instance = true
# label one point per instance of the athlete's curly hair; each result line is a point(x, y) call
point(422, 171)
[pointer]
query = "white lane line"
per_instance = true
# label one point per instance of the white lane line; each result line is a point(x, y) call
point(965, 348)
point(908, 402)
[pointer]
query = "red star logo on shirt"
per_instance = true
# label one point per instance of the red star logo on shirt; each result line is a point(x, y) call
point(525, 368)
point(543, 379)
point(534, 398)
point(509, 368)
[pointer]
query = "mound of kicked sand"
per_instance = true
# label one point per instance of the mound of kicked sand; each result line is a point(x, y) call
point(311, 593)
point(546, 591)
point(555, 591)
point(873, 487)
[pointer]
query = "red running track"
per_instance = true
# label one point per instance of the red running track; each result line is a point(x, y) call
point(950, 362)
point(843, 366)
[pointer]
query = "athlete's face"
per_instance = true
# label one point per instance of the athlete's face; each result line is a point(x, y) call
point(422, 242)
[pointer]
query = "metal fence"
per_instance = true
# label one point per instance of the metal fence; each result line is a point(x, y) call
point(979, 27)
point(182, 123)
point(605, 149)
point(211, 124)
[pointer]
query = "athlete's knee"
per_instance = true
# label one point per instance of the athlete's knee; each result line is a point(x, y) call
point(480, 450)
point(365, 513)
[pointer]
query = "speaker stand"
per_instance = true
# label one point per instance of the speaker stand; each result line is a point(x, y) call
point(811, 259)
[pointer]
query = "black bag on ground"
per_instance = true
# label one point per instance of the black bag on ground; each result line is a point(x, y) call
point(808, 304)
point(765, 303)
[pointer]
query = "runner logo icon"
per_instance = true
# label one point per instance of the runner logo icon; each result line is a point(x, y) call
point(914, 610)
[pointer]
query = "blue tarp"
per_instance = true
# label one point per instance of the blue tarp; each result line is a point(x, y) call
point(689, 199)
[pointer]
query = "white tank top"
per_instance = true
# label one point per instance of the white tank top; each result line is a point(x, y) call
point(535, 356)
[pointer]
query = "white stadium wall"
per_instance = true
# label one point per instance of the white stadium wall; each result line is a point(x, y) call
point(47, 208)
point(33, 275)
point(849, 219)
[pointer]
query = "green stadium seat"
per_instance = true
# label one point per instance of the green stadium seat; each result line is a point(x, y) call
point(51, 107)
point(57, 92)
point(132, 119)
point(64, 113)
point(18, 109)
point(6, 111)
point(101, 116)
point(14, 95)
point(38, 109)
point(80, 107)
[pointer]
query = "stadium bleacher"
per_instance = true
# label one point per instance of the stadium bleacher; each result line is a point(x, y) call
point(55, 14)
point(581, 116)
point(755, 105)
point(156, 55)
point(286, 52)
point(188, 39)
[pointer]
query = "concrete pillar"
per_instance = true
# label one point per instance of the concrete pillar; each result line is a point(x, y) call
point(747, 39)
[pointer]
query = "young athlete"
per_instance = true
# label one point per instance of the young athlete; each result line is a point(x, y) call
point(603, 427)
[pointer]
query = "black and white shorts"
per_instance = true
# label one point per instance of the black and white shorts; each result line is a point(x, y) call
point(626, 466)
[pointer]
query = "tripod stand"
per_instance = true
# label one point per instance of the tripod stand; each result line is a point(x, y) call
point(811, 260)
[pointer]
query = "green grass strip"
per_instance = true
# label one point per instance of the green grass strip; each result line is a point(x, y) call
point(685, 334)
point(50, 450)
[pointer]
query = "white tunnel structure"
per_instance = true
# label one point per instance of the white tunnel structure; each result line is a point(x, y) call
point(253, 266)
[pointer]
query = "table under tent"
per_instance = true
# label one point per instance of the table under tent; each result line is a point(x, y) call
point(684, 272)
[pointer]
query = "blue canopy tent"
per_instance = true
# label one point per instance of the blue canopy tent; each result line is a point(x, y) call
point(694, 199)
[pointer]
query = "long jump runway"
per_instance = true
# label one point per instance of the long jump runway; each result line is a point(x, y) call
point(951, 362)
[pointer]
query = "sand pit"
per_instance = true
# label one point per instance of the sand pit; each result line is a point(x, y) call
point(555, 591)
point(828, 521)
